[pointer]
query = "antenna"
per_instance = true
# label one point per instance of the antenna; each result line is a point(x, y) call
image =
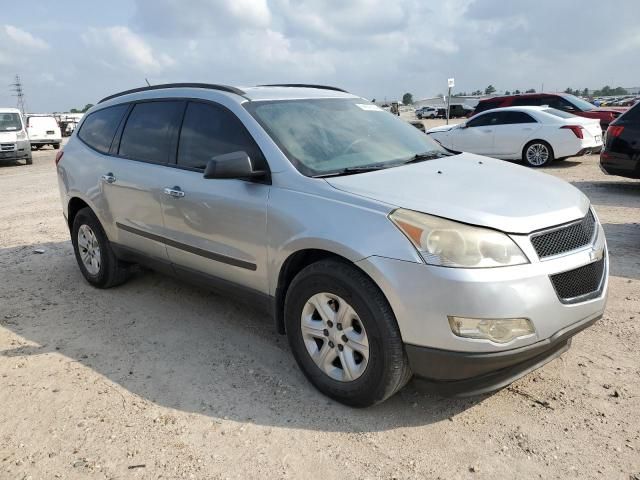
point(16, 88)
point(148, 84)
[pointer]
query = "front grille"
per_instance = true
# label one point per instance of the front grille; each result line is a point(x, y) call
point(566, 238)
point(581, 283)
point(7, 147)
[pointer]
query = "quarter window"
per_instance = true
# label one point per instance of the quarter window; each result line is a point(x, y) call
point(208, 131)
point(150, 131)
point(98, 129)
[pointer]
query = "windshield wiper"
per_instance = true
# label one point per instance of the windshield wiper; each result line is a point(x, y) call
point(421, 157)
point(354, 170)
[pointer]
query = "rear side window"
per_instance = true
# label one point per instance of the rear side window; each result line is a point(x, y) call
point(150, 131)
point(632, 115)
point(98, 129)
point(209, 130)
point(517, 117)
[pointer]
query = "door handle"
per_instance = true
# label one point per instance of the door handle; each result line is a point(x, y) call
point(108, 177)
point(175, 192)
point(487, 131)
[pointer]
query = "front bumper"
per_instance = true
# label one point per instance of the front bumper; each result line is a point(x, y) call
point(465, 374)
point(423, 296)
point(620, 164)
point(45, 141)
point(19, 151)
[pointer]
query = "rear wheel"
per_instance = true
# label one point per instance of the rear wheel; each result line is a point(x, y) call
point(344, 335)
point(94, 254)
point(56, 146)
point(537, 153)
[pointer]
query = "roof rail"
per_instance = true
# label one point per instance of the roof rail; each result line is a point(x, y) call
point(223, 88)
point(304, 85)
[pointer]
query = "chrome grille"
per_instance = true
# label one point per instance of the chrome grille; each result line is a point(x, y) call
point(581, 283)
point(566, 238)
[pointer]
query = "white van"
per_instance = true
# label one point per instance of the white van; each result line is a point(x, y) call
point(43, 130)
point(14, 143)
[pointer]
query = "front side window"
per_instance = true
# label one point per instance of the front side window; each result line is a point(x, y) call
point(98, 129)
point(482, 120)
point(208, 131)
point(150, 130)
point(579, 103)
point(326, 136)
point(10, 122)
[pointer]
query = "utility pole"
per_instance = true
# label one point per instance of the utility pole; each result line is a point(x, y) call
point(450, 83)
point(16, 88)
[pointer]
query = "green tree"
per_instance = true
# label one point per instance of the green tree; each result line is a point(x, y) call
point(531, 90)
point(569, 91)
point(87, 107)
point(489, 90)
point(517, 92)
point(407, 98)
point(585, 92)
point(507, 92)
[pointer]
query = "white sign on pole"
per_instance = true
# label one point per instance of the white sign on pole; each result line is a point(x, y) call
point(451, 82)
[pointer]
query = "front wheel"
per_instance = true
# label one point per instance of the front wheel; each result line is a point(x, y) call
point(344, 335)
point(56, 146)
point(537, 153)
point(29, 160)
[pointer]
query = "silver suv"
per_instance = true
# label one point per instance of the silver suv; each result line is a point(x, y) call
point(380, 254)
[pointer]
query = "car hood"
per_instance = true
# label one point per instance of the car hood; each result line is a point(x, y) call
point(9, 136)
point(473, 189)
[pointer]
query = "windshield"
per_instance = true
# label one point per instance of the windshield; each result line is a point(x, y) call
point(10, 122)
point(324, 136)
point(578, 102)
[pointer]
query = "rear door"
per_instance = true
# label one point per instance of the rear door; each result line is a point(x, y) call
point(138, 173)
point(477, 137)
point(216, 226)
point(511, 132)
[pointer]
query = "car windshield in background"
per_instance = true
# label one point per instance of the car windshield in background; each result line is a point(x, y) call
point(558, 113)
point(10, 122)
point(581, 104)
point(333, 136)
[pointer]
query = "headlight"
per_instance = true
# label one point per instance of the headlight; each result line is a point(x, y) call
point(499, 330)
point(22, 135)
point(452, 244)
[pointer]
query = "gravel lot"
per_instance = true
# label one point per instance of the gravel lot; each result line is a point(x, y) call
point(156, 379)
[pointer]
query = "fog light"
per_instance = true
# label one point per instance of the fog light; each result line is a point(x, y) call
point(498, 330)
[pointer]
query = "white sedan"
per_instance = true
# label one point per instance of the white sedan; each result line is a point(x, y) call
point(536, 135)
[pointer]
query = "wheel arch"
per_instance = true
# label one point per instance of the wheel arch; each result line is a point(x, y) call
point(292, 265)
point(73, 207)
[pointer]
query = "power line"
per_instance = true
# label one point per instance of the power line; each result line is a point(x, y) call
point(18, 92)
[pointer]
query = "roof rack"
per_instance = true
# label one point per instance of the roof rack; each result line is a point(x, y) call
point(223, 88)
point(304, 85)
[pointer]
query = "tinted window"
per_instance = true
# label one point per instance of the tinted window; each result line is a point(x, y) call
point(524, 101)
point(558, 103)
point(487, 105)
point(149, 131)
point(482, 120)
point(631, 116)
point(517, 117)
point(207, 131)
point(99, 128)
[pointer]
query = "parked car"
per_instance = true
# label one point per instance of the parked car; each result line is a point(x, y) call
point(14, 142)
point(621, 152)
point(535, 135)
point(43, 130)
point(380, 254)
point(455, 111)
point(560, 101)
point(427, 112)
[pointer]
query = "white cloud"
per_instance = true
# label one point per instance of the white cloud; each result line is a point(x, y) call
point(118, 45)
point(24, 39)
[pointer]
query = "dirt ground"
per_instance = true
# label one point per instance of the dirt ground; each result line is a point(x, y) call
point(156, 379)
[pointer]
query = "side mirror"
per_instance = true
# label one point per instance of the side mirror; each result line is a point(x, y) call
point(232, 165)
point(462, 125)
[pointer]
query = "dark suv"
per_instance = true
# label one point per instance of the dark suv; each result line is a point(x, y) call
point(621, 152)
point(560, 101)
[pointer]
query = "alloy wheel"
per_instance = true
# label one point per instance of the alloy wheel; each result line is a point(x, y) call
point(89, 249)
point(537, 154)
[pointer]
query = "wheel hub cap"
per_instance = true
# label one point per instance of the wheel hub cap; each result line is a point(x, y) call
point(89, 249)
point(335, 337)
point(537, 154)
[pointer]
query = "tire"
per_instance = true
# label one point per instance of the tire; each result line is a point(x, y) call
point(110, 271)
point(29, 160)
point(56, 146)
point(419, 117)
point(378, 376)
point(561, 159)
point(544, 158)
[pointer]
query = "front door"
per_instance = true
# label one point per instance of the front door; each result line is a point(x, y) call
point(476, 137)
point(216, 226)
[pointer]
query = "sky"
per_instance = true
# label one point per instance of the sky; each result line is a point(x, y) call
point(73, 52)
